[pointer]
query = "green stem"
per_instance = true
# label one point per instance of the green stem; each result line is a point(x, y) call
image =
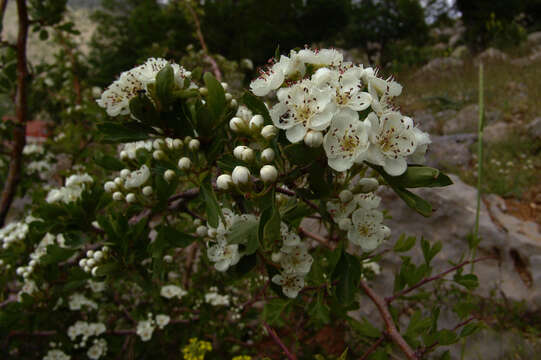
point(479, 161)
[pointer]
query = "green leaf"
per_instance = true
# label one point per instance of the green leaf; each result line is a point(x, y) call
point(418, 324)
point(169, 237)
point(421, 176)
point(300, 154)
point(216, 96)
point(143, 109)
point(257, 106)
point(245, 233)
point(273, 310)
point(319, 311)
point(415, 202)
point(404, 243)
point(108, 162)
point(116, 132)
point(429, 252)
point(470, 329)
point(56, 254)
point(469, 281)
point(105, 269)
point(43, 35)
point(348, 274)
point(446, 337)
point(165, 82)
point(213, 210)
point(364, 328)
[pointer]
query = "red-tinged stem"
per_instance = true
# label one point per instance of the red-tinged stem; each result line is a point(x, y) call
point(277, 340)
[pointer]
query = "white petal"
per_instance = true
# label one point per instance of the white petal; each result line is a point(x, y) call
point(296, 133)
point(395, 167)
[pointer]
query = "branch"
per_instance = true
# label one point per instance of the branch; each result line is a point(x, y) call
point(388, 320)
point(277, 340)
point(210, 60)
point(21, 113)
point(372, 348)
point(435, 277)
point(316, 237)
point(422, 351)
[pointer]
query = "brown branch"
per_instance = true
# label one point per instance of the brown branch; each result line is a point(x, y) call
point(210, 60)
point(388, 320)
point(21, 113)
point(435, 277)
point(320, 239)
point(277, 340)
point(372, 348)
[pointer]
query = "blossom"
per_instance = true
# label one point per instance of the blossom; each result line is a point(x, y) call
point(346, 86)
point(145, 329)
point(291, 283)
point(321, 57)
point(270, 78)
point(296, 259)
point(75, 184)
point(137, 178)
point(392, 138)
point(367, 230)
point(216, 299)
point(162, 320)
point(77, 301)
point(223, 255)
point(97, 350)
point(302, 107)
point(56, 354)
point(346, 142)
point(171, 291)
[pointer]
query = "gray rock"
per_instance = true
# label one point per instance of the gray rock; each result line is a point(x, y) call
point(450, 150)
point(497, 132)
point(425, 120)
point(534, 38)
point(440, 46)
point(467, 118)
point(461, 52)
point(534, 127)
point(454, 39)
point(492, 54)
point(437, 65)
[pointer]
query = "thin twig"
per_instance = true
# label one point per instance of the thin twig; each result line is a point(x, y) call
point(388, 320)
point(277, 340)
point(316, 237)
point(435, 277)
point(372, 348)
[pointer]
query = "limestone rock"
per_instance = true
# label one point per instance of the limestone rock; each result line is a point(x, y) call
point(467, 118)
point(534, 38)
point(492, 54)
point(534, 128)
point(461, 52)
point(450, 150)
point(438, 65)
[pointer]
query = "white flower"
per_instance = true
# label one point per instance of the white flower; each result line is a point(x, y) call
point(392, 138)
point(339, 209)
point(346, 86)
point(346, 142)
point(323, 57)
point(216, 299)
point(162, 320)
point(184, 163)
point(78, 180)
point(137, 178)
point(302, 107)
point(367, 230)
point(97, 350)
point(291, 283)
point(422, 141)
point(171, 291)
point(268, 173)
point(223, 256)
point(269, 132)
point(56, 354)
point(367, 184)
point(224, 181)
point(380, 86)
point(296, 259)
point(270, 78)
point(145, 329)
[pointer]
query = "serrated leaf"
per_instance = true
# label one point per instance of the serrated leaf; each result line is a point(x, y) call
point(429, 252)
point(404, 243)
point(123, 132)
point(418, 324)
point(108, 162)
point(108, 268)
point(56, 254)
point(143, 109)
point(319, 311)
point(446, 337)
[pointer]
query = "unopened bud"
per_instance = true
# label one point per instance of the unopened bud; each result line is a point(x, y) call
point(240, 175)
point(313, 139)
point(268, 173)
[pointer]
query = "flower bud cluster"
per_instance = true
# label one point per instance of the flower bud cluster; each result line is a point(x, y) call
point(15, 231)
point(85, 330)
point(39, 252)
point(215, 299)
point(93, 259)
point(294, 260)
point(172, 291)
point(254, 125)
point(56, 354)
point(145, 328)
point(77, 301)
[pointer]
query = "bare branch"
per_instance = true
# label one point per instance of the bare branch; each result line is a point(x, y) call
point(435, 277)
point(372, 348)
point(277, 340)
point(320, 239)
point(388, 320)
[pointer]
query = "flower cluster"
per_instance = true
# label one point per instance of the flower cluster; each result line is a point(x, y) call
point(15, 231)
point(56, 354)
point(145, 328)
point(85, 330)
point(93, 258)
point(295, 262)
point(358, 215)
point(71, 191)
point(245, 122)
point(116, 98)
point(321, 98)
point(196, 349)
point(78, 300)
point(215, 299)
point(39, 252)
point(172, 291)
point(97, 350)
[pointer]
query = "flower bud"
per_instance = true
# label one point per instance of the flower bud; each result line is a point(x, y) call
point(268, 173)
point(118, 181)
point(90, 253)
point(313, 139)
point(224, 85)
point(386, 231)
point(147, 190)
point(237, 151)
point(90, 262)
point(224, 181)
point(105, 249)
point(169, 143)
point(203, 91)
point(345, 196)
point(233, 103)
point(20, 270)
point(236, 124)
point(367, 185)
point(247, 155)
point(124, 173)
point(194, 144)
point(256, 122)
point(82, 262)
point(169, 175)
point(184, 163)
point(178, 144)
point(197, 222)
point(124, 155)
point(168, 259)
point(269, 132)
point(201, 231)
point(130, 198)
point(118, 196)
point(228, 97)
point(109, 186)
point(187, 140)
point(240, 175)
point(211, 232)
point(267, 155)
point(95, 271)
point(32, 263)
point(275, 257)
point(98, 255)
point(158, 144)
point(158, 155)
